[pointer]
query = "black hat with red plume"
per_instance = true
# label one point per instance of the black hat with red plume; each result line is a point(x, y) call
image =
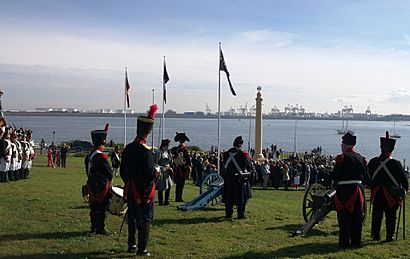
point(99, 136)
point(387, 143)
point(145, 123)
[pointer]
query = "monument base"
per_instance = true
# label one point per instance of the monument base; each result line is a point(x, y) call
point(259, 158)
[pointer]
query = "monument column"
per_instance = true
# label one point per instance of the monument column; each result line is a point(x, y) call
point(258, 127)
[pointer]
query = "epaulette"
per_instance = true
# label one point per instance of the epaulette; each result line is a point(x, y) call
point(339, 158)
point(146, 146)
point(104, 156)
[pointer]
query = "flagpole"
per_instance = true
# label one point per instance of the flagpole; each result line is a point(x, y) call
point(153, 102)
point(219, 111)
point(125, 109)
point(163, 105)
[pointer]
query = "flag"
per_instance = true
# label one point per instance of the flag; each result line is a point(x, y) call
point(165, 80)
point(127, 88)
point(222, 66)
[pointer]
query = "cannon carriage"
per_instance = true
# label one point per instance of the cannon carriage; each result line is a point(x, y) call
point(318, 201)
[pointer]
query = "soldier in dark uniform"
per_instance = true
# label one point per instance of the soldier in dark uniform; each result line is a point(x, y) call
point(139, 175)
point(99, 180)
point(237, 189)
point(3, 175)
point(182, 164)
point(389, 185)
point(116, 160)
point(349, 175)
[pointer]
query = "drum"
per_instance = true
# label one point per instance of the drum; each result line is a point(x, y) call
point(117, 205)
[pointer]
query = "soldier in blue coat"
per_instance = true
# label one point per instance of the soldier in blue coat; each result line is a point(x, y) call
point(139, 175)
point(99, 181)
point(237, 189)
point(389, 185)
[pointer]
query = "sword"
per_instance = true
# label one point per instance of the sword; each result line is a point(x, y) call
point(398, 224)
point(122, 223)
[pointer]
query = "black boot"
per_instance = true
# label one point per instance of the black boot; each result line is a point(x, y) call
point(21, 171)
point(143, 237)
point(16, 175)
point(1, 177)
point(93, 222)
point(167, 193)
point(6, 178)
point(160, 197)
point(100, 223)
point(132, 247)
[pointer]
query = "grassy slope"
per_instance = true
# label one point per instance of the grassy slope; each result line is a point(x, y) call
point(46, 217)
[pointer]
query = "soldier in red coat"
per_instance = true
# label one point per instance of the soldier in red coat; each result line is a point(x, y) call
point(389, 185)
point(349, 176)
point(99, 181)
point(139, 175)
point(182, 164)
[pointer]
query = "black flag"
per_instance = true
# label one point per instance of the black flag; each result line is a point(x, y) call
point(222, 67)
point(165, 80)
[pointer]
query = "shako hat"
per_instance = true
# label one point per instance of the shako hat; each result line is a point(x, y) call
point(99, 136)
point(181, 137)
point(145, 123)
point(349, 139)
point(387, 143)
point(165, 142)
point(238, 141)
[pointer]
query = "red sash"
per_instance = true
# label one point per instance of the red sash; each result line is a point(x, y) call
point(349, 205)
point(391, 201)
point(136, 195)
point(100, 196)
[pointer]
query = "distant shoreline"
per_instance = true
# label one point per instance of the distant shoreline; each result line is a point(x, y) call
point(358, 117)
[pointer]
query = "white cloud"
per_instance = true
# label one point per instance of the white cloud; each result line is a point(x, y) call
point(319, 78)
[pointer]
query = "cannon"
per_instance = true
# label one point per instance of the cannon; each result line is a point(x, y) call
point(210, 192)
point(318, 201)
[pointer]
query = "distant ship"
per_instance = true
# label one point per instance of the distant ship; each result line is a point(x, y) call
point(394, 134)
point(344, 129)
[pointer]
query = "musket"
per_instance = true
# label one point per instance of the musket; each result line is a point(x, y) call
point(14, 126)
point(404, 218)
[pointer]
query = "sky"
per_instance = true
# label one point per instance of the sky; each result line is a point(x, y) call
point(320, 54)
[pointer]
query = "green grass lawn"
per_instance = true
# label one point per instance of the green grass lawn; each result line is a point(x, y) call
point(46, 217)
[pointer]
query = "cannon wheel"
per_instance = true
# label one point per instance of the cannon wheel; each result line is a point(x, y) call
point(212, 180)
point(308, 208)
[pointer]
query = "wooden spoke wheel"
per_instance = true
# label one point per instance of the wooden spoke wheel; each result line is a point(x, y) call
point(311, 207)
point(212, 180)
